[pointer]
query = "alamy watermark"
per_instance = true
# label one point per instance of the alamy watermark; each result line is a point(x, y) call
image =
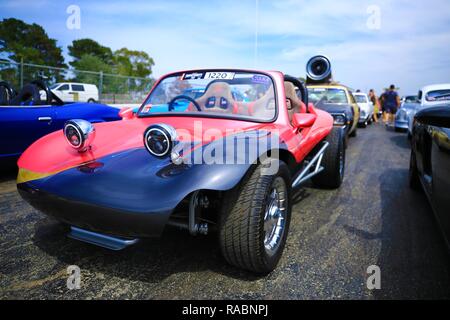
point(212, 146)
point(73, 21)
point(74, 279)
point(374, 20)
point(374, 279)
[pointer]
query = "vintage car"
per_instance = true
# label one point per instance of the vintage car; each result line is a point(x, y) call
point(218, 165)
point(409, 99)
point(428, 96)
point(366, 109)
point(430, 161)
point(331, 96)
point(26, 117)
point(404, 116)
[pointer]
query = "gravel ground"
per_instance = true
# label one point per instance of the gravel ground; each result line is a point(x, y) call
point(373, 219)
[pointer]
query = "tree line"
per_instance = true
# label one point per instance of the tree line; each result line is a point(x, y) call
point(20, 41)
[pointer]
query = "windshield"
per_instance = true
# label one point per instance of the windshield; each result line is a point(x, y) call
point(213, 93)
point(438, 95)
point(53, 86)
point(410, 99)
point(327, 95)
point(360, 98)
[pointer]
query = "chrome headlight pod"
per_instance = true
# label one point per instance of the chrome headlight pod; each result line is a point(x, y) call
point(79, 134)
point(339, 119)
point(159, 139)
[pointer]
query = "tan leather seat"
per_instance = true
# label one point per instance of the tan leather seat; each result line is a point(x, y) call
point(294, 104)
point(218, 94)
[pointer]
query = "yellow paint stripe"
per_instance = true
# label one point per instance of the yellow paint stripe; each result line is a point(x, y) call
point(25, 175)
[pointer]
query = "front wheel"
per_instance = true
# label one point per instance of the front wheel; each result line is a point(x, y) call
point(255, 219)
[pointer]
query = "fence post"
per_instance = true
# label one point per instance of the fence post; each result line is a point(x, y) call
point(21, 72)
point(100, 89)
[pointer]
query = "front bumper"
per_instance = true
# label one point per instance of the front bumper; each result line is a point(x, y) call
point(401, 125)
point(364, 118)
point(127, 194)
point(95, 218)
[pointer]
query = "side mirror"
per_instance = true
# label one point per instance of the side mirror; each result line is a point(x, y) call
point(126, 113)
point(303, 120)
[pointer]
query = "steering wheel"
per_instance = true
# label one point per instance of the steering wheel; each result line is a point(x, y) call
point(184, 97)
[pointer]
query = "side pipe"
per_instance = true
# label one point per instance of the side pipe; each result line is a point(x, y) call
point(317, 160)
point(101, 240)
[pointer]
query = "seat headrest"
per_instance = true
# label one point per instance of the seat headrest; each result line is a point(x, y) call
point(218, 94)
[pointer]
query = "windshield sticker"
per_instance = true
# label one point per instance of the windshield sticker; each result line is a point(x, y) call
point(146, 108)
point(260, 79)
point(219, 75)
point(192, 76)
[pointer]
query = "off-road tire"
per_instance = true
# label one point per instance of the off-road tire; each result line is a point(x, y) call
point(241, 227)
point(333, 174)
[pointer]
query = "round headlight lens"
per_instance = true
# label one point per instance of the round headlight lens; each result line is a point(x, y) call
point(79, 134)
point(159, 139)
point(339, 119)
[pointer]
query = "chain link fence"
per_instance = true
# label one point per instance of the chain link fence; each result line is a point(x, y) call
point(112, 88)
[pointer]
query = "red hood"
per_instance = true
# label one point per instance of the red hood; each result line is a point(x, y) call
point(53, 154)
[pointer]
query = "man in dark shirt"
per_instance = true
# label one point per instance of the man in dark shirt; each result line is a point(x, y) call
point(391, 103)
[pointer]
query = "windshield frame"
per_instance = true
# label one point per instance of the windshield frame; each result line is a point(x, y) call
point(211, 115)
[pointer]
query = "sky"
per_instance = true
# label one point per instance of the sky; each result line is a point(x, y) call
point(371, 43)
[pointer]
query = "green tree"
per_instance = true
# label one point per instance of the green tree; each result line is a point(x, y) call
point(89, 62)
point(133, 63)
point(82, 47)
point(30, 42)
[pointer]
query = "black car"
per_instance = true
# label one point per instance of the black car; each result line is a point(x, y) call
point(430, 161)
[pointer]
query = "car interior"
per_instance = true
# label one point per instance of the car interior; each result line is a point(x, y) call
point(29, 95)
point(218, 98)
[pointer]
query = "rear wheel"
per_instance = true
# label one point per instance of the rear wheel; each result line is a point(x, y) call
point(333, 162)
point(255, 220)
point(91, 101)
point(414, 182)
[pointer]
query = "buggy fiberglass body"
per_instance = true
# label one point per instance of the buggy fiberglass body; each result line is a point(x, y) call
point(218, 165)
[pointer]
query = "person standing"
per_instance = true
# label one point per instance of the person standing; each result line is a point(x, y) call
point(392, 102)
point(376, 104)
point(383, 105)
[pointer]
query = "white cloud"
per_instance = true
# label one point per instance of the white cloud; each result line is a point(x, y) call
point(410, 49)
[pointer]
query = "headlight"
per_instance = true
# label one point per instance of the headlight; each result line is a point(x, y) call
point(339, 119)
point(159, 139)
point(401, 114)
point(79, 134)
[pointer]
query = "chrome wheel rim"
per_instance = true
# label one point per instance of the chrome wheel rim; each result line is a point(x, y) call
point(275, 216)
